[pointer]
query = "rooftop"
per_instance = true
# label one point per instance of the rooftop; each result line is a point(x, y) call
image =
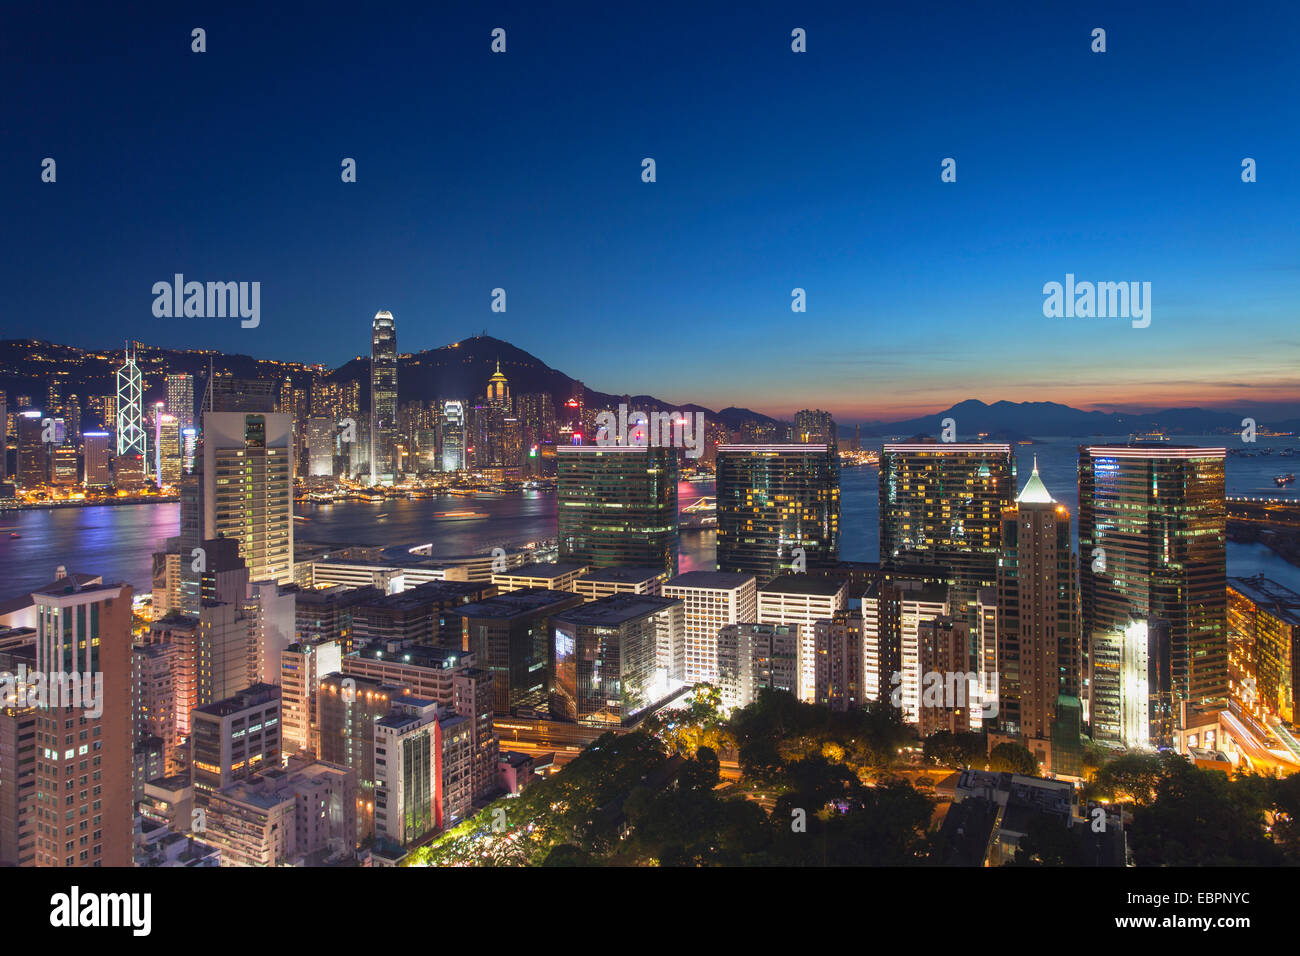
point(804, 584)
point(540, 569)
point(616, 609)
point(516, 603)
point(621, 574)
point(712, 580)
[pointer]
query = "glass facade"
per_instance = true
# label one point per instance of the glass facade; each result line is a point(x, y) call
point(774, 500)
point(618, 506)
point(1152, 547)
point(942, 503)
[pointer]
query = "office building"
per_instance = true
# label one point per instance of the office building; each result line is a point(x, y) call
point(248, 488)
point(347, 710)
point(180, 399)
point(602, 582)
point(234, 738)
point(802, 600)
point(320, 447)
point(558, 576)
point(754, 656)
point(778, 508)
point(617, 505)
point(1264, 626)
point(1040, 651)
point(383, 398)
point(712, 599)
point(941, 503)
point(616, 656)
point(892, 612)
point(1152, 547)
point(408, 758)
point(83, 789)
point(453, 436)
point(303, 665)
point(97, 456)
point(510, 638)
point(1119, 686)
point(839, 681)
point(949, 693)
point(130, 410)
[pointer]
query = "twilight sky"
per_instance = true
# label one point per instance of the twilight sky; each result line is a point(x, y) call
point(775, 170)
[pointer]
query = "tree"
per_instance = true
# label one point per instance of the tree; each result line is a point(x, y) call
point(1012, 758)
point(1048, 841)
point(1202, 818)
point(947, 749)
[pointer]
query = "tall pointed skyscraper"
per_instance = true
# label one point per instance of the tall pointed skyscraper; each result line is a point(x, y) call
point(1039, 650)
point(383, 398)
point(130, 408)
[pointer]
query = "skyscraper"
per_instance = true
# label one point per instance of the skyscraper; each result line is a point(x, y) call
point(778, 508)
point(180, 399)
point(1040, 657)
point(33, 451)
point(320, 447)
point(383, 397)
point(96, 453)
point(130, 409)
point(83, 774)
point(942, 503)
point(453, 436)
point(1152, 547)
point(247, 492)
point(618, 505)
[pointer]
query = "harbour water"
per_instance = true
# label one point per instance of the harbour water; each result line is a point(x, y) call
point(118, 541)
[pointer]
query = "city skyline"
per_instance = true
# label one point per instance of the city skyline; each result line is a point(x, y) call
point(662, 436)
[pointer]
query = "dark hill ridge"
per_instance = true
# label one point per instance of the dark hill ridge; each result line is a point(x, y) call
point(461, 370)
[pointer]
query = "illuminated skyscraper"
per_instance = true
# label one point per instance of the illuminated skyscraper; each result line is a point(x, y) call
point(130, 409)
point(85, 630)
point(1040, 657)
point(247, 492)
point(1152, 548)
point(778, 506)
point(941, 503)
point(180, 399)
point(453, 436)
point(97, 456)
point(618, 505)
point(498, 390)
point(33, 451)
point(814, 427)
point(383, 397)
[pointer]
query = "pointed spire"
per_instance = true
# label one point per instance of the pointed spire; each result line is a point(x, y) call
point(1035, 492)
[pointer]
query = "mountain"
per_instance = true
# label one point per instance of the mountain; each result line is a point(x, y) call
point(1018, 420)
point(457, 371)
point(461, 371)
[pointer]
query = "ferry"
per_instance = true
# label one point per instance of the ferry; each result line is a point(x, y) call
point(1284, 480)
point(1151, 436)
point(460, 515)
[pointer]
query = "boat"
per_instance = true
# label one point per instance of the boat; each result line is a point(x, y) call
point(1283, 480)
point(1151, 436)
point(14, 534)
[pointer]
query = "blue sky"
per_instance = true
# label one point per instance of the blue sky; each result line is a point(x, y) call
point(775, 170)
